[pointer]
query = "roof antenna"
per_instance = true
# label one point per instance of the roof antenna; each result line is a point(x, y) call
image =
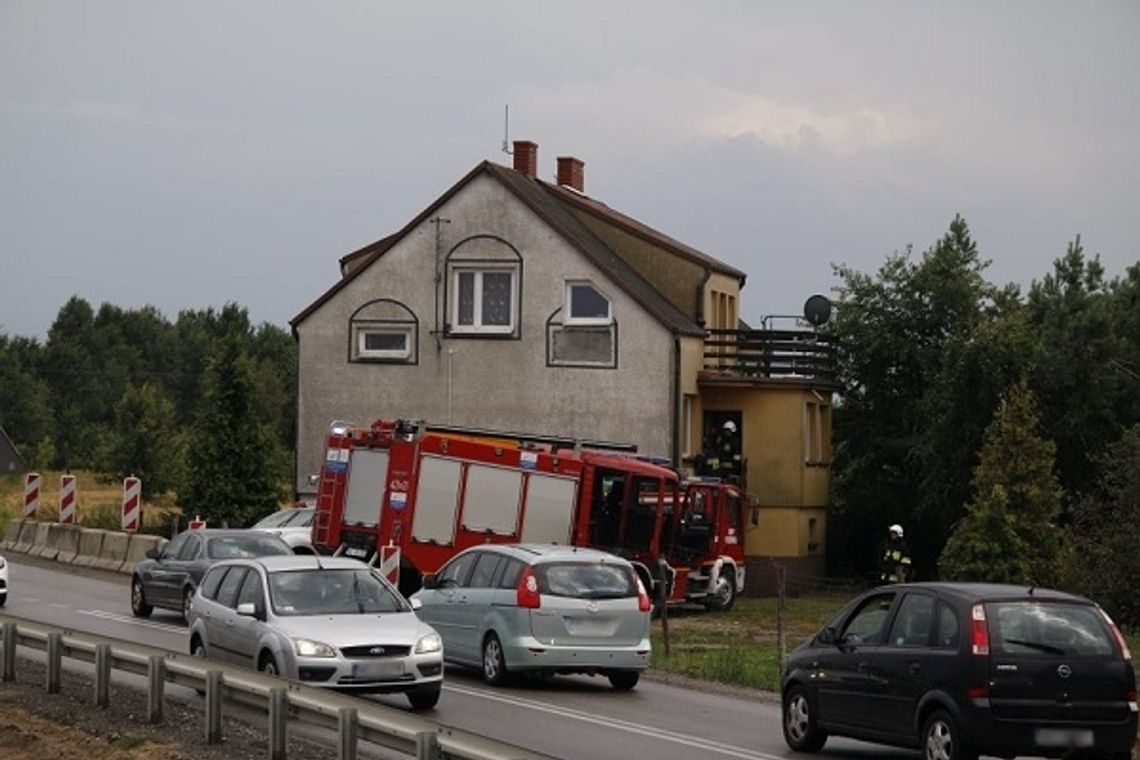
point(507, 130)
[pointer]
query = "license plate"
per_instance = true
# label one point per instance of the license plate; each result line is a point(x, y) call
point(353, 551)
point(378, 670)
point(1063, 737)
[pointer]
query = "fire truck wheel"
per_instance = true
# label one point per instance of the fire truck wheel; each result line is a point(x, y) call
point(624, 680)
point(139, 607)
point(424, 699)
point(724, 596)
point(494, 665)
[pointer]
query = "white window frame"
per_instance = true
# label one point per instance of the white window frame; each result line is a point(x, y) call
point(477, 326)
point(361, 331)
point(570, 319)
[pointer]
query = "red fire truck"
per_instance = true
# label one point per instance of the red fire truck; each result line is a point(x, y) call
point(411, 496)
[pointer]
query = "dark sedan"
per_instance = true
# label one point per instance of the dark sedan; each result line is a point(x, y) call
point(169, 577)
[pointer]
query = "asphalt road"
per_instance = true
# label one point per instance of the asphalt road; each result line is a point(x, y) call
point(568, 717)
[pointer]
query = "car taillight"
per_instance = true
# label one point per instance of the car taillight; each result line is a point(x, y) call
point(979, 632)
point(528, 595)
point(1119, 638)
point(642, 597)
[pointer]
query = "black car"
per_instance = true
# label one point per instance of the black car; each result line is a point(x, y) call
point(168, 577)
point(960, 670)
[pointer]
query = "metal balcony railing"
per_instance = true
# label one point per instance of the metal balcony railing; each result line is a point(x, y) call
point(767, 354)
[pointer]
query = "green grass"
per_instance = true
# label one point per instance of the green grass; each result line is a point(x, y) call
point(738, 647)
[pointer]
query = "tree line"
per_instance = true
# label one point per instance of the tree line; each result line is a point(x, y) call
point(204, 406)
point(1000, 428)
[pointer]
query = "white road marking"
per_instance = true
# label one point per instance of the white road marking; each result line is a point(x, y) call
point(707, 745)
point(166, 627)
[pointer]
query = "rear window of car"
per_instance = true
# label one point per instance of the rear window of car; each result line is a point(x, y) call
point(252, 545)
point(586, 580)
point(1048, 629)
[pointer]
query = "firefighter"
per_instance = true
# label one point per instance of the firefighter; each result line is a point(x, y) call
point(727, 451)
point(896, 557)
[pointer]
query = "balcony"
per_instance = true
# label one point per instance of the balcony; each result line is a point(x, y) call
point(789, 355)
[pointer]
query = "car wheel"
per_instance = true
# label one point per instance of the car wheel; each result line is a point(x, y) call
point(624, 680)
point(187, 600)
point(800, 730)
point(139, 607)
point(494, 664)
point(724, 595)
point(268, 665)
point(424, 699)
point(942, 739)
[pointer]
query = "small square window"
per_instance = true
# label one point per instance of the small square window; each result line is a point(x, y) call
point(388, 342)
point(585, 304)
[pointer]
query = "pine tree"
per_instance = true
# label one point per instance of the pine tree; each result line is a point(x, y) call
point(1008, 533)
point(233, 461)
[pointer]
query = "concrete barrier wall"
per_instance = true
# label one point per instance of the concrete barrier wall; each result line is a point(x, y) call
point(43, 544)
point(27, 536)
point(68, 543)
point(11, 534)
point(137, 547)
point(90, 542)
point(112, 552)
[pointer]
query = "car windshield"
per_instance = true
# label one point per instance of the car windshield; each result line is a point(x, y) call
point(586, 580)
point(275, 520)
point(1050, 629)
point(240, 545)
point(319, 591)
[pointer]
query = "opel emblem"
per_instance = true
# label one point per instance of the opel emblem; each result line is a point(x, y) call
point(1064, 670)
point(380, 650)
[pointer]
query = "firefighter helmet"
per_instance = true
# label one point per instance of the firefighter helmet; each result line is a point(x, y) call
point(896, 530)
point(730, 426)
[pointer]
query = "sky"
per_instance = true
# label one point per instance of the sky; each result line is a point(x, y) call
point(190, 154)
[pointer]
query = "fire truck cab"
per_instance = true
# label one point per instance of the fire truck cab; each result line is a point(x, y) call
point(411, 496)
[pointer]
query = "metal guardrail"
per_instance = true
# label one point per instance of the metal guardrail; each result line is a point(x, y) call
point(354, 720)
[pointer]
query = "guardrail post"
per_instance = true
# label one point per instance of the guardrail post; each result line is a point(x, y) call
point(346, 723)
point(214, 707)
point(427, 746)
point(156, 681)
point(54, 661)
point(278, 709)
point(10, 634)
point(102, 675)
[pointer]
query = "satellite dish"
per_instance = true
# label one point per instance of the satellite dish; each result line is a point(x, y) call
point(817, 310)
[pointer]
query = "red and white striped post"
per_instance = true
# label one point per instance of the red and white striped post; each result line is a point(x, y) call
point(67, 499)
point(390, 563)
point(31, 495)
point(132, 504)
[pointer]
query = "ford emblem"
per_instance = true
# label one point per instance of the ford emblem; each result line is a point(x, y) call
point(1064, 670)
point(376, 651)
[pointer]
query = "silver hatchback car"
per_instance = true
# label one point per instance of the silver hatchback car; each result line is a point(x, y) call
point(540, 609)
point(322, 621)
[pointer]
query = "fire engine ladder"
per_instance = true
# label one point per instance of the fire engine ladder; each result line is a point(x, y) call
point(558, 442)
point(326, 491)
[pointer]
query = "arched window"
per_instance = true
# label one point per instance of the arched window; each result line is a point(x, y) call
point(484, 274)
point(384, 331)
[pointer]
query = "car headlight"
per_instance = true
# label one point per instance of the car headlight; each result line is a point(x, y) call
point(428, 644)
point(307, 648)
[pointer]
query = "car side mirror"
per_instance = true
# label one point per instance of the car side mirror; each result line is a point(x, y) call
point(153, 554)
point(417, 604)
point(247, 609)
point(430, 581)
point(827, 636)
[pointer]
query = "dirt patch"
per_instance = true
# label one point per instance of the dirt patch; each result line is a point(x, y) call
point(35, 725)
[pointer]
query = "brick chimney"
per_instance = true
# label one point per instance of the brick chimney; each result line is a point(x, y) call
point(526, 158)
point(572, 173)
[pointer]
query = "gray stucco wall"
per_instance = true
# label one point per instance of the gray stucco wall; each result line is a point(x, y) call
point(500, 384)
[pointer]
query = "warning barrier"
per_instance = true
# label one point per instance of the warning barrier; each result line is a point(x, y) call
point(67, 499)
point(68, 543)
point(31, 495)
point(132, 504)
point(11, 534)
point(40, 540)
point(27, 536)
